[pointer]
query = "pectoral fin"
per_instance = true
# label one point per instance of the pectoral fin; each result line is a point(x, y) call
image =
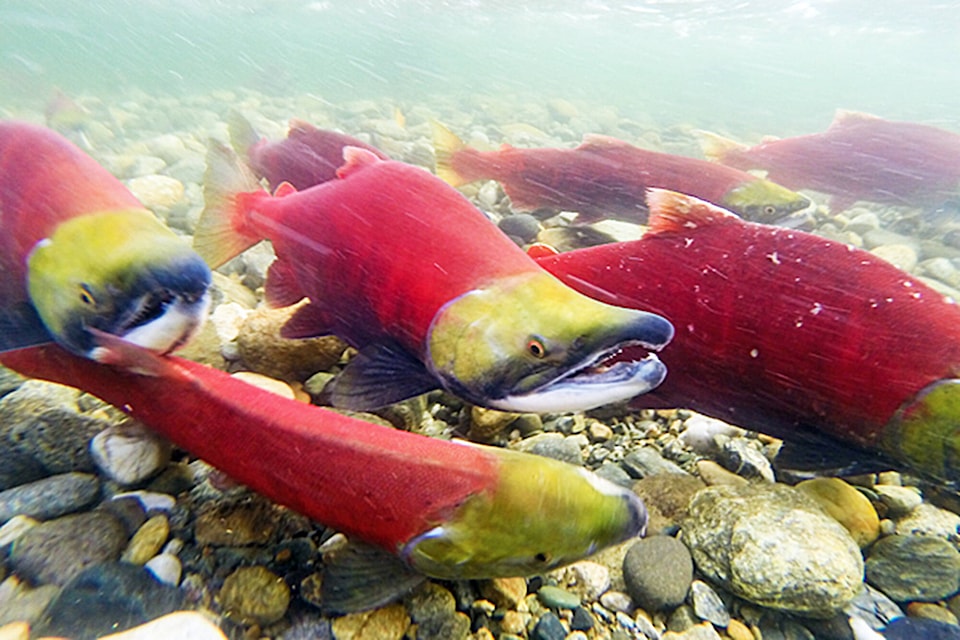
point(810, 451)
point(379, 375)
point(20, 326)
point(361, 577)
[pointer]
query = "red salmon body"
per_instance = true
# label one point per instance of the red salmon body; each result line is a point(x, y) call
point(306, 157)
point(383, 485)
point(860, 157)
point(606, 177)
point(45, 180)
point(775, 328)
point(380, 231)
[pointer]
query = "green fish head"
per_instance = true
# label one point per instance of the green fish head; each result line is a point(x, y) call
point(925, 432)
point(767, 202)
point(121, 273)
point(541, 514)
point(529, 343)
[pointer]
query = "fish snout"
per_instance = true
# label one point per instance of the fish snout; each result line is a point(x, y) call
point(649, 330)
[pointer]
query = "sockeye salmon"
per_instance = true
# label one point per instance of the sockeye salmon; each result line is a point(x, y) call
point(405, 269)
point(785, 332)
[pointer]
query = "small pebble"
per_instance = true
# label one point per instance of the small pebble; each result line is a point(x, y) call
point(557, 598)
point(553, 445)
point(56, 551)
point(931, 611)
point(713, 473)
point(549, 627)
point(14, 528)
point(847, 506)
point(647, 461)
point(739, 631)
point(387, 623)
point(899, 500)
point(255, 595)
point(150, 500)
point(588, 579)
point(148, 540)
point(582, 620)
point(504, 592)
point(708, 605)
point(185, 625)
point(914, 567)
point(617, 601)
point(166, 568)
point(50, 497)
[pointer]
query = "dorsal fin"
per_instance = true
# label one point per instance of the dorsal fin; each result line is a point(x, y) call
point(671, 211)
point(844, 117)
point(298, 127)
point(600, 141)
point(356, 159)
point(541, 250)
point(284, 189)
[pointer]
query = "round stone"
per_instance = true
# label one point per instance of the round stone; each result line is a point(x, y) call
point(914, 568)
point(658, 571)
point(56, 551)
point(255, 595)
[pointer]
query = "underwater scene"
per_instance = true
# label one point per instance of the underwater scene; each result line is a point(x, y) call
point(474, 319)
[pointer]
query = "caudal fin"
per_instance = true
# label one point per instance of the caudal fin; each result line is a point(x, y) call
point(242, 134)
point(221, 232)
point(445, 145)
point(716, 148)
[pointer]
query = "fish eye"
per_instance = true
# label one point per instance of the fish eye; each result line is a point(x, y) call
point(542, 558)
point(769, 210)
point(536, 348)
point(86, 295)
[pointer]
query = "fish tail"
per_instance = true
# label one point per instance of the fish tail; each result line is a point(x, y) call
point(229, 188)
point(242, 134)
point(446, 144)
point(717, 148)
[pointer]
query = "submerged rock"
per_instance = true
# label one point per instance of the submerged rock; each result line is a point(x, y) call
point(773, 546)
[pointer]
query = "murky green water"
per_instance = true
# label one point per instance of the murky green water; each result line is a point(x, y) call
point(778, 67)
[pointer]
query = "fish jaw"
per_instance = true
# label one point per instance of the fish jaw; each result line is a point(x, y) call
point(530, 343)
point(924, 433)
point(121, 273)
point(768, 202)
point(513, 530)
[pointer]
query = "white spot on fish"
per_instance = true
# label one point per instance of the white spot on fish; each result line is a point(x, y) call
point(916, 295)
point(773, 257)
point(754, 353)
point(798, 323)
point(907, 283)
point(689, 328)
point(816, 309)
point(687, 242)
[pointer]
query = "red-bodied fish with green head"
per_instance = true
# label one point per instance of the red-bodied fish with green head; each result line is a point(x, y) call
point(860, 157)
point(404, 268)
point(788, 333)
point(448, 510)
point(308, 156)
point(81, 257)
point(605, 177)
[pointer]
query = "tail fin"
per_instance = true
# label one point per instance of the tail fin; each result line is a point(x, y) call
point(221, 233)
point(445, 145)
point(716, 148)
point(242, 134)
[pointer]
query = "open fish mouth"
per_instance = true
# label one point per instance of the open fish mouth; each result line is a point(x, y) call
point(605, 379)
point(164, 320)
